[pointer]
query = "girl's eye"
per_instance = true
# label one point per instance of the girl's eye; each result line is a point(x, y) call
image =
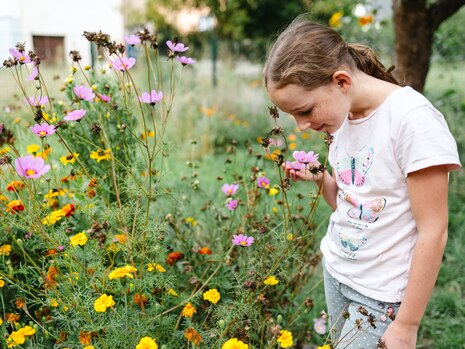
point(306, 112)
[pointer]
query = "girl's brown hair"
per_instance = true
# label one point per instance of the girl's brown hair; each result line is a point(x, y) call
point(308, 53)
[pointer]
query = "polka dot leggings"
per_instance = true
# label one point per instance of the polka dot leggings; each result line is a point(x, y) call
point(355, 321)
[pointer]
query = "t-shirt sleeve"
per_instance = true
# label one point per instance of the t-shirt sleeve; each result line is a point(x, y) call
point(424, 140)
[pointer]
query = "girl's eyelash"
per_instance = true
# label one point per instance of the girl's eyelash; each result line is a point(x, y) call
point(306, 112)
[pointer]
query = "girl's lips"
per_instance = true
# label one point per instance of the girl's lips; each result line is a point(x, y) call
point(320, 128)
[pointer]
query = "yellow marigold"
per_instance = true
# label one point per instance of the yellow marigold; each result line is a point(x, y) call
point(326, 346)
point(5, 250)
point(234, 343)
point(172, 292)
point(155, 266)
point(192, 221)
point(271, 281)
point(103, 302)
point(273, 191)
point(19, 337)
point(192, 336)
point(285, 339)
point(2, 282)
point(119, 273)
point(212, 295)
point(335, 20)
point(32, 148)
point(45, 153)
point(89, 347)
point(78, 239)
point(15, 338)
point(121, 238)
point(188, 310)
point(147, 343)
point(100, 155)
point(53, 303)
point(53, 217)
point(4, 150)
point(69, 159)
point(1, 321)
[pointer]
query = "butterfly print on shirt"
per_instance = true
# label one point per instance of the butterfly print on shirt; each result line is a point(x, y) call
point(367, 211)
point(351, 170)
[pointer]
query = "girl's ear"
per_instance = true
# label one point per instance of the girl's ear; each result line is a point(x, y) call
point(342, 79)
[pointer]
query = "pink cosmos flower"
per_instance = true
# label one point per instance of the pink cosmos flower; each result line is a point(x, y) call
point(178, 47)
point(151, 98)
point(263, 182)
point(232, 204)
point(319, 325)
point(132, 39)
point(305, 158)
point(43, 130)
point(295, 165)
point(242, 240)
point(84, 93)
point(34, 73)
point(37, 101)
point(104, 98)
point(75, 115)
point(229, 189)
point(31, 167)
point(21, 56)
point(185, 60)
point(124, 63)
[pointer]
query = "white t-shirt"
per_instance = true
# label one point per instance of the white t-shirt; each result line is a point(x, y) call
point(372, 233)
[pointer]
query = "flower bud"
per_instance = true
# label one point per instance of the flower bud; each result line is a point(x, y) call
point(279, 319)
point(221, 324)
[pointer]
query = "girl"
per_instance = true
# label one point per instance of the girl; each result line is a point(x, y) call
point(390, 158)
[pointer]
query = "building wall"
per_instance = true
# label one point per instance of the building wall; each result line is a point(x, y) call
point(20, 20)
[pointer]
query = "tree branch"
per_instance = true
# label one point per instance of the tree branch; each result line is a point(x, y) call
point(443, 9)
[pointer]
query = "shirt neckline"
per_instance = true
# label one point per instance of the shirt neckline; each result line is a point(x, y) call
point(369, 116)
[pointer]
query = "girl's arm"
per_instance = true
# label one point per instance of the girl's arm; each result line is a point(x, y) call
point(329, 190)
point(428, 197)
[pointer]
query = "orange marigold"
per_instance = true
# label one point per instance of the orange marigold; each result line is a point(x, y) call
point(68, 209)
point(15, 206)
point(15, 186)
point(140, 300)
point(192, 335)
point(173, 257)
point(85, 337)
point(204, 250)
point(11, 318)
point(20, 302)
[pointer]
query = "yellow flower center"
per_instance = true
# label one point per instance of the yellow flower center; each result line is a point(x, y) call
point(243, 242)
point(42, 133)
point(31, 172)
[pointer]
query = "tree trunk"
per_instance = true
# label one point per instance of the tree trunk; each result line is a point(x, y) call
point(414, 27)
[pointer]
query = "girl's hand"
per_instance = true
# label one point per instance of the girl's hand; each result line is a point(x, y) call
point(303, 173)
point(400, 336)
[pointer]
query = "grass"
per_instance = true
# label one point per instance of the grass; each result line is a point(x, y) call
point(208, 119)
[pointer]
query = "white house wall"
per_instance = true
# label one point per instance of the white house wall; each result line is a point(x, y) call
point(21, 19)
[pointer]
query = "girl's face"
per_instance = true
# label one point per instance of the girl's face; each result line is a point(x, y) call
point(321, 109)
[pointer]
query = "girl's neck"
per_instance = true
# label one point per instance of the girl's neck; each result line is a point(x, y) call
point(368, 94)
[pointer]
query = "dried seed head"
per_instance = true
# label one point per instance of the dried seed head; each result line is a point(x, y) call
point(274, 113)
point(75, 55)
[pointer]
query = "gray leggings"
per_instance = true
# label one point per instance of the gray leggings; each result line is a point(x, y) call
point(351, 326)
